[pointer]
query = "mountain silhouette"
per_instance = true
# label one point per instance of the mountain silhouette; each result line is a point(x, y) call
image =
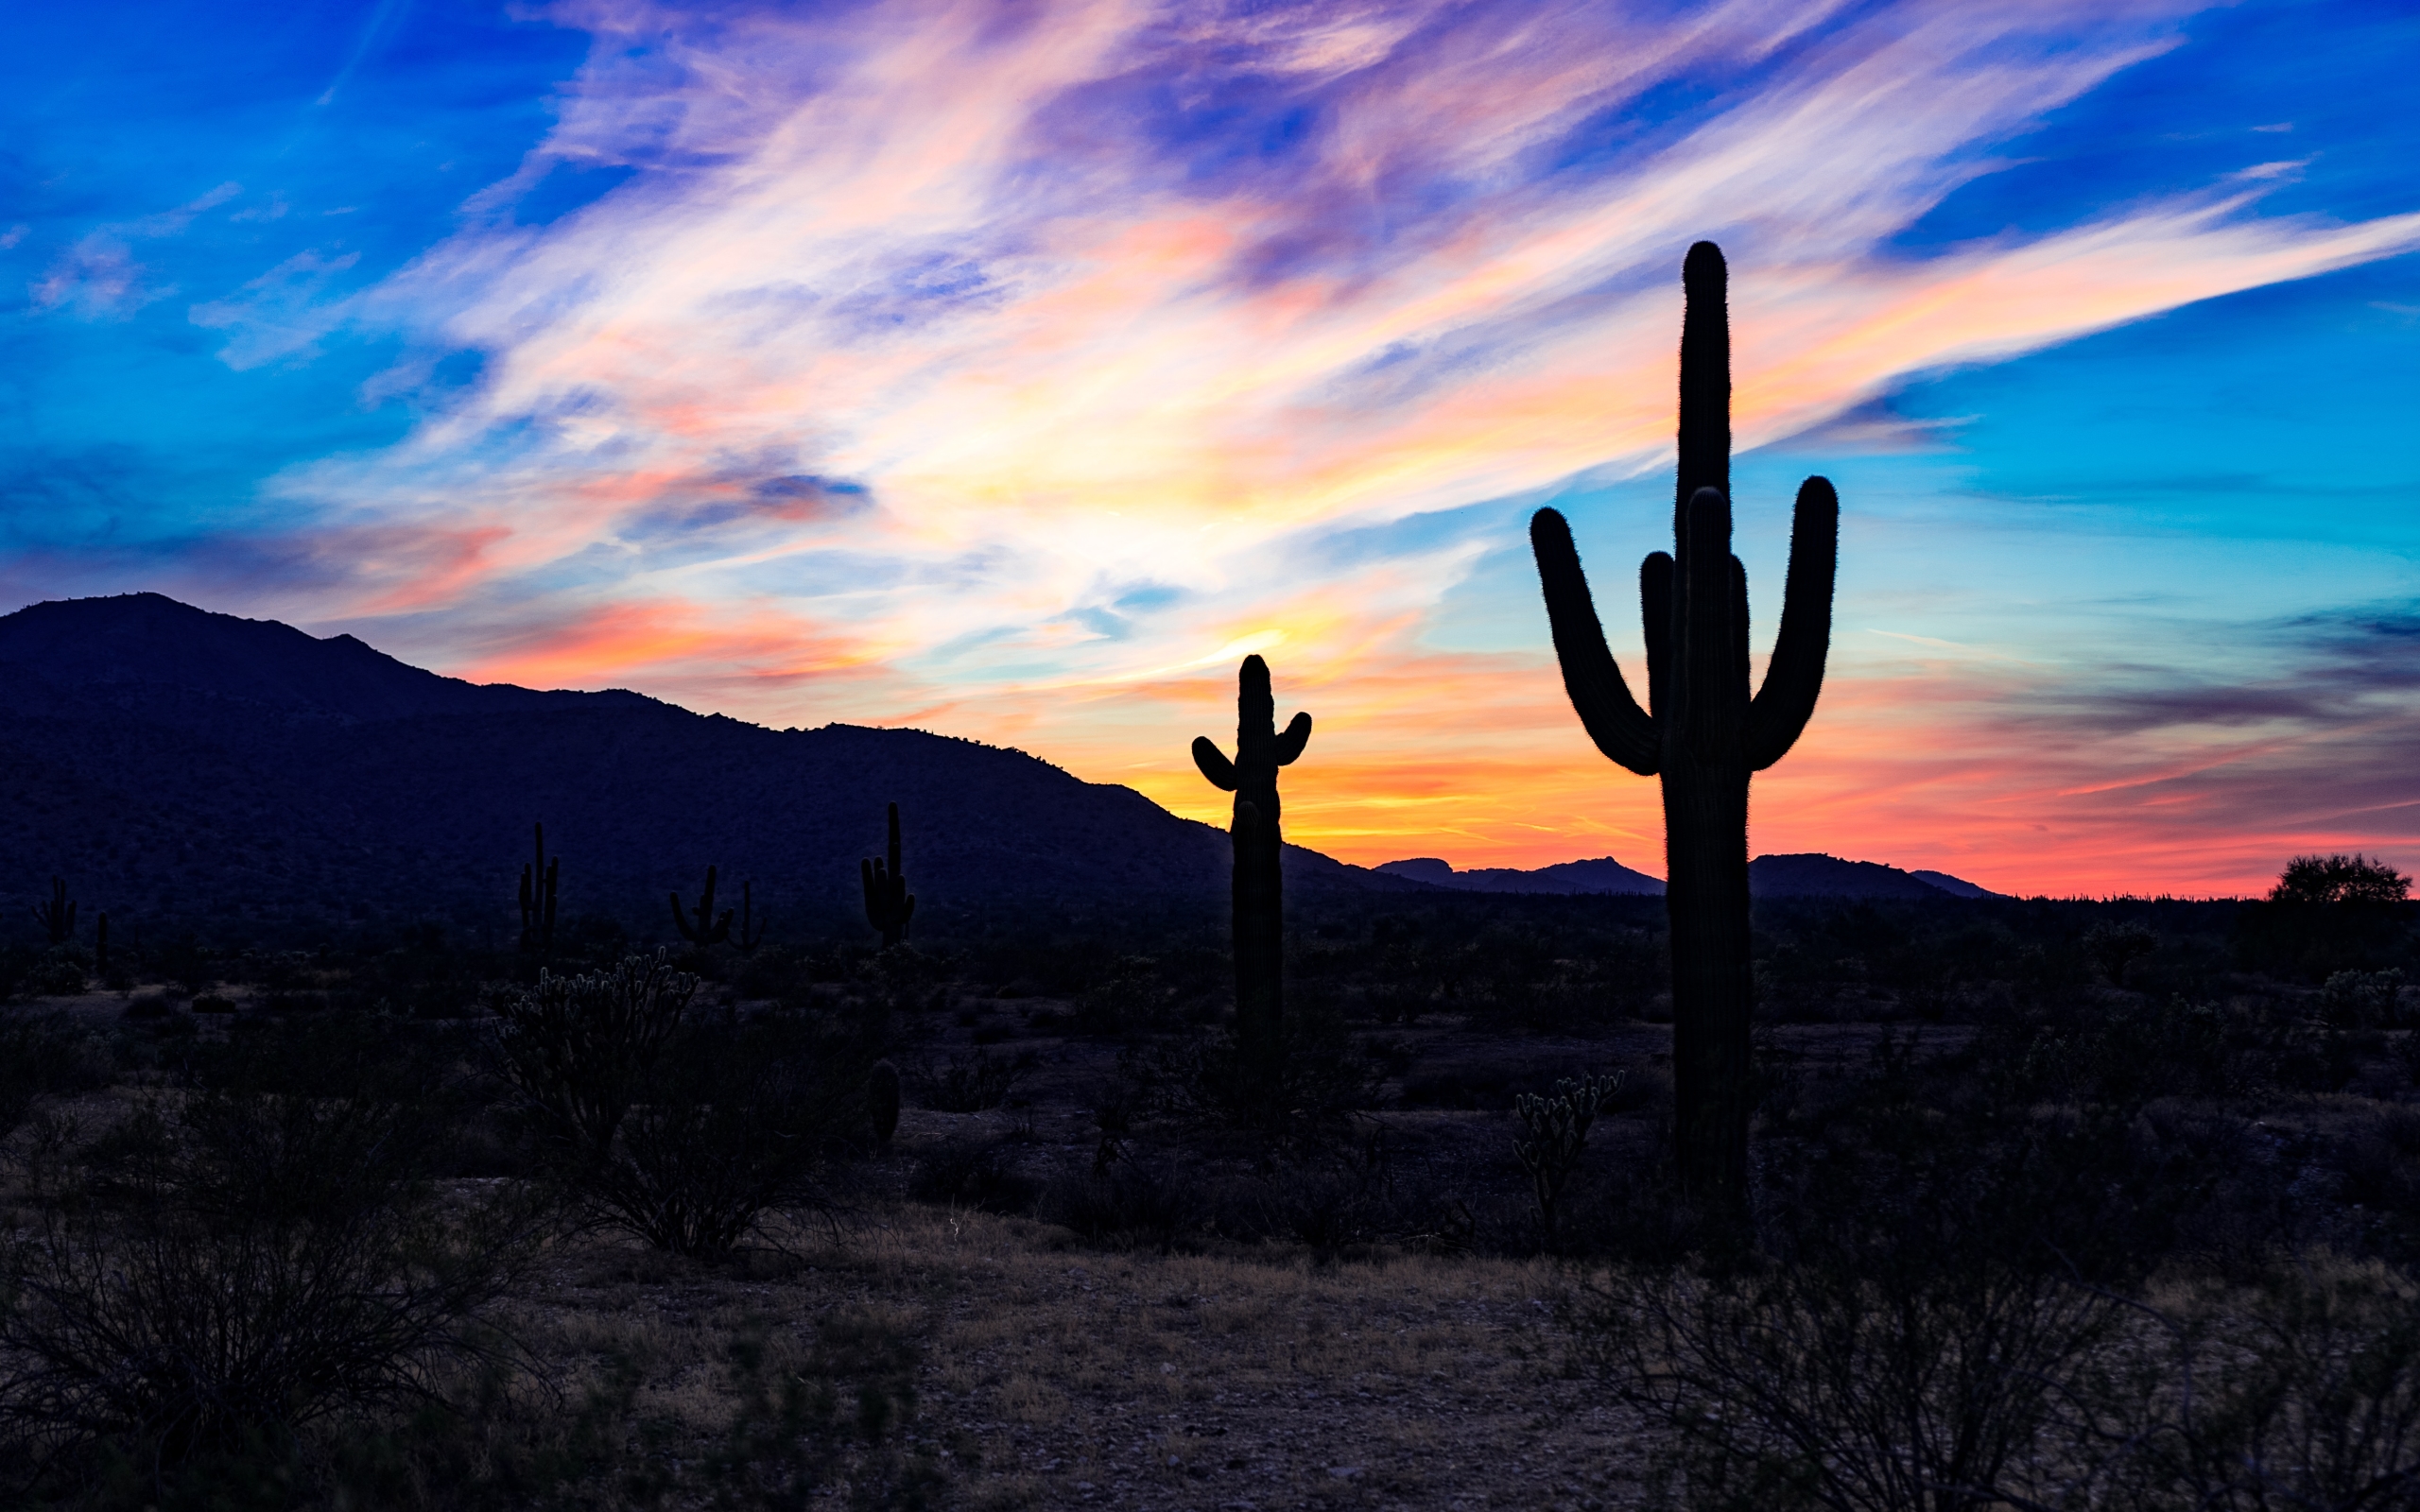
point(176, 766)
point(1806, 875)
point(1601, 875)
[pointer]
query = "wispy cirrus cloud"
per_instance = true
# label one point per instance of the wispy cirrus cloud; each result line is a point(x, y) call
point(944, 361)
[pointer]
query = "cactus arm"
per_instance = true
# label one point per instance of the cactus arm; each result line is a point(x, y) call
point(1655, 621)
point(1214, 763)
point(1613, 718)
point(873, 892)
point(1740, 626)
point(681, 920)
point(1708, 707)
point(1290, 744)
point(893, 846)
point(1795, 675)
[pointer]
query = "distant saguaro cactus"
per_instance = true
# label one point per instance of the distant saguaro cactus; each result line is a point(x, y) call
point(752, 929)
point(889, 905)
point(708, 929)
point(537, 899)
point(1702, 732)
point(1258, 882)
point(56, 916)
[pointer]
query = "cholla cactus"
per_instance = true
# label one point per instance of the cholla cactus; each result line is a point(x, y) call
point(1701, 731)
point(1555, 1131)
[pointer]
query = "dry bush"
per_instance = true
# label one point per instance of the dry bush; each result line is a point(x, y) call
point(226, 1268)
point(683, 1132)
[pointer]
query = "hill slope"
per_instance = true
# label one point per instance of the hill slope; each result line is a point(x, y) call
point(176, 764)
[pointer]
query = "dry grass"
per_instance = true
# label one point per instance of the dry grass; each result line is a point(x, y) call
point(1049, 1376)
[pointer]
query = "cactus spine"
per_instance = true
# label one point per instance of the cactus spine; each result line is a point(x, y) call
point(708, 929)
point(1702, 733)
point(889, 905)
point(56, 916)
point(1258, 882)
point(538, 900)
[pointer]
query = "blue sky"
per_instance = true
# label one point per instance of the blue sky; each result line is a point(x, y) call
point(1010, 369)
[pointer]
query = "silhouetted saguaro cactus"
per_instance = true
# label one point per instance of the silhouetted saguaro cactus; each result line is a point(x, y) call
point(708, 929)
point(752, 929)
point(537, 899)
point(1257, 835)
point(889, 905)
point(56, 916)
point(1702, 732)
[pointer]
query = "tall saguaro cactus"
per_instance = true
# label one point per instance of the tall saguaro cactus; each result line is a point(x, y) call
point(56, 916)
point(538, 881)
point(888, 903)
point(1702, 732)
point(707, 929)
point(1259, 914)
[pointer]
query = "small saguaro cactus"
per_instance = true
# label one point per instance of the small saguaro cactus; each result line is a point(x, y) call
point(1258, 882)
point(707, 930)
point(1701, 731)
point(56, 916)
point(537, 899)
point(888, 903)
point(752, 929)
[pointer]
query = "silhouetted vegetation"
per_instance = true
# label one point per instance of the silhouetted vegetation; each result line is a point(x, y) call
point(1257, 911)
point(2024, 1170)
point(1700, 731)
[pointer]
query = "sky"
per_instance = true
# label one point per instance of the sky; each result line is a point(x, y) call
point(1011, 369)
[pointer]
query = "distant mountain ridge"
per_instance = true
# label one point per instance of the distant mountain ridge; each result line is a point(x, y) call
point(174, 762)
point(1805, 875)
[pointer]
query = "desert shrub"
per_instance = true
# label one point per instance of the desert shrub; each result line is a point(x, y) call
point(228, 1267)
point(1129, 996)
point(1819, 1385)
point(971, 1174)
point(967, 1085)
point(1133, 1204)
point(683, 1133)
point(1328, 1201)
point(2112, 945)
point(2127, 1054)
point(45, 1054)
point(56, 972)
point(1325, 1076)
point(2363, 1000)
point(2306, 1395)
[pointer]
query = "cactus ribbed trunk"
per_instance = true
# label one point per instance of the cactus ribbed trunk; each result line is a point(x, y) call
point(1706, 900)
point(1258, 895)
point(1702, 733)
